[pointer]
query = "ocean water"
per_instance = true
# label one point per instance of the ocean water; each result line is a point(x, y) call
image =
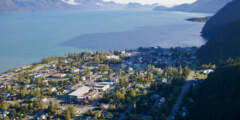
point(28, 37)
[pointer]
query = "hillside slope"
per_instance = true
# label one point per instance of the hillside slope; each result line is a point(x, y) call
point(225, 16)
point(218, 97)
point(223, 34)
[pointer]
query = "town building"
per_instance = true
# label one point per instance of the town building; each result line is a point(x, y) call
point(36, 75)
point(208, 71)
point(58, 75)
point(113, 57)
point(75, 70)
point(79, 94)
point(102, 87)
point(164, 80)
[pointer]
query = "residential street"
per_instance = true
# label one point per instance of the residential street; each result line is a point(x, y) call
point(185, 89)
point(38, 114)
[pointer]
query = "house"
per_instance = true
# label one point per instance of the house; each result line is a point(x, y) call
point(164, 80)
point(53, 89)
point(44, 100)
point(43, 117)
point(58, 75)
point(83, 78)
point(130, 69)
point(79, 94)
point(4, 114)
point(52, 66)
point(36, 75)
point(208, 71)
point(66, 61)
point(75, 70)
point(25, 67)
point(105, 106)
point(112, 57)
point(27, 86)
point(5, 95)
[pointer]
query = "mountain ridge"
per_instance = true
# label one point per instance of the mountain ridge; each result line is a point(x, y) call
point(206, 6)
point(31, 5)
point(39, 5)
point(222, 32)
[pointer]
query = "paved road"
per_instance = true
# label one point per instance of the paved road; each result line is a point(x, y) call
point(82, 110)
point(175, 108)
point(185, 89)
point(38, 114)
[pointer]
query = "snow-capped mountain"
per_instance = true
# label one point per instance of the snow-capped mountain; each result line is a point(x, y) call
point(44, 5)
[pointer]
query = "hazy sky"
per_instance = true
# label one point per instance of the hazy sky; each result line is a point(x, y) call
point(167, 3)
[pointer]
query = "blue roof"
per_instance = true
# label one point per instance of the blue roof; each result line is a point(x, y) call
point(36, 75)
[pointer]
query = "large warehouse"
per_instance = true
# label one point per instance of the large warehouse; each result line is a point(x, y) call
point(79, 94)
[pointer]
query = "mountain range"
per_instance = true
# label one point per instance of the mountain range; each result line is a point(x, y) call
point(43, 5)
point(26, 5)
point(205, 6)
point(209, 6)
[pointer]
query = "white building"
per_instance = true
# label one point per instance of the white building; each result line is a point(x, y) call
point(58, 75)
point(75, 70)
point(113, 57)
point(44, 100)
point(102, 87)
point(164, 80)
point(83, 78)
point(208, 71)
point(80, 93)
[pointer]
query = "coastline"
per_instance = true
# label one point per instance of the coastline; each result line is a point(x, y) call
point(29, 65)
point(92, 37)
point(199, 19)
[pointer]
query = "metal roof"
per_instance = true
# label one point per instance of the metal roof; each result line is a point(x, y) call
point(80, 91)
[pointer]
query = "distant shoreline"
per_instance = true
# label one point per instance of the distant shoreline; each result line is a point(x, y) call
point(199, 19)
point(25, 66)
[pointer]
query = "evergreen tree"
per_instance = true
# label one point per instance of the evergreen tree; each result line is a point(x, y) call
point(4, 106)
point(67, 115)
